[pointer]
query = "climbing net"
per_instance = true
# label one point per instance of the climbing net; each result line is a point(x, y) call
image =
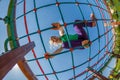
point(33, 23)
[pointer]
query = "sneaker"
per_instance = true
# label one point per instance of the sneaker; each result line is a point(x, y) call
point(93, 18)
point(86, 43)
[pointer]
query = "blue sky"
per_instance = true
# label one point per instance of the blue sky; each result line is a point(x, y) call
point(46, 16)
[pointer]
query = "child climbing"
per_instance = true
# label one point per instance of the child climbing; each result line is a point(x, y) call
point(75, 40)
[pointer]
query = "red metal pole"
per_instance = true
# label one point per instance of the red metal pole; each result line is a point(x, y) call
point(97, 74)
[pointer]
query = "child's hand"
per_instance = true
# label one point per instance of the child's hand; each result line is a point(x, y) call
point(56, 26)
point(47, 56)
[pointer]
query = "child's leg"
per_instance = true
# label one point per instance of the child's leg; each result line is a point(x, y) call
point(79, 29)
point(80, 23)
point(90, 23)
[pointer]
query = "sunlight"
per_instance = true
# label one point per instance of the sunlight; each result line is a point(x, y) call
point(16, 68)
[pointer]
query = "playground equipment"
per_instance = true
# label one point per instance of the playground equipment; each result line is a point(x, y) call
point(30, 20)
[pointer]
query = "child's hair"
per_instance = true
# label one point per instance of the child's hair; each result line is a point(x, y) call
point(54, 44)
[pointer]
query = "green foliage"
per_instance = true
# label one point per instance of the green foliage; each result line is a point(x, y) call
point(117, 41)
point(114, 4)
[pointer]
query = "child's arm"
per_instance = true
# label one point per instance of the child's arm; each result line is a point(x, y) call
point(57, 26)
point(61, 31)
point(47, 55)
point(58, 50)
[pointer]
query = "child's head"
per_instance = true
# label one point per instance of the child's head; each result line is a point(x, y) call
point(86, 43)
point(55, 41)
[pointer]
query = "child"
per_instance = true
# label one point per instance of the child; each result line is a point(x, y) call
point(76, 40)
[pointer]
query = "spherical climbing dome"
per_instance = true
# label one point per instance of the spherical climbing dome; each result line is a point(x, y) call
point(33, 23)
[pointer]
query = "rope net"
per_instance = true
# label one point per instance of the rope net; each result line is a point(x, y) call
point(33, 23)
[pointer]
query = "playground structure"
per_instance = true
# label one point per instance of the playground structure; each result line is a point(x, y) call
point(16, 47)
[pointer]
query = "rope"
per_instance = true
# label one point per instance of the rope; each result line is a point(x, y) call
point(48, 5)
point(25, 21)
point(1, 18)
point(73, 67)
point(80, 64)
point(57, 3)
